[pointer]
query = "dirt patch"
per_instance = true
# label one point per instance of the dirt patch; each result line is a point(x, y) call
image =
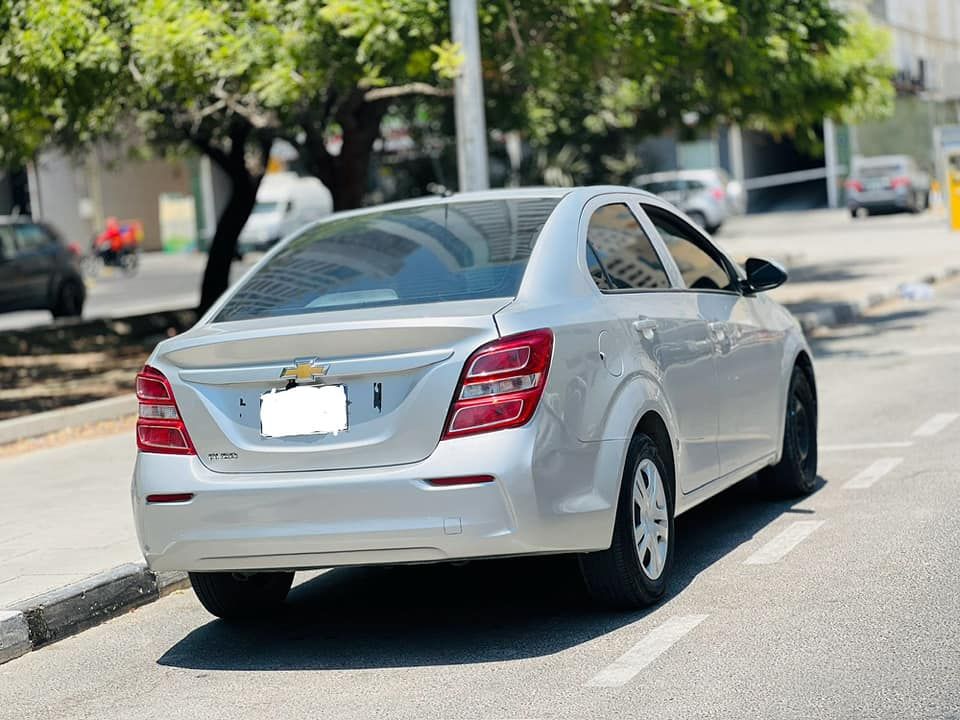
point(125, 424)
point(51, 368)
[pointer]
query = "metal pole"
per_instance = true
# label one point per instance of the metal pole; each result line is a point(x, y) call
point(830, 160)
point(468, 99)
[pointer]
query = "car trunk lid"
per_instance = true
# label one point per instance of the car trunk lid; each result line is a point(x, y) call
point(398, 368)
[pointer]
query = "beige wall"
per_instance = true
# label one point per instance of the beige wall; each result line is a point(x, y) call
point(108, 182)
point(131, 189)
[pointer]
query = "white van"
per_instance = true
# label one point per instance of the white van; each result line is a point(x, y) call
point(285, 202)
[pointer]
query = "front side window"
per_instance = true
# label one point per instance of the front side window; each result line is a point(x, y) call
point(625, 250)
point(439, 252)
point(700, 269)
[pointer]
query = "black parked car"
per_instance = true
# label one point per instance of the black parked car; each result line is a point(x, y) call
point(37, 270)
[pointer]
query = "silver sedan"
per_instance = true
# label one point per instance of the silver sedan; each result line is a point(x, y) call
point(506, 373)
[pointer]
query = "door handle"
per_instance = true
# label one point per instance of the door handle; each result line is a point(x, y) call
point(718, 331)
point(644, 325)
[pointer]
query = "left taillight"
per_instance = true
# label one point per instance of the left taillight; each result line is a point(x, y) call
point(160, 428)
point(501, 384)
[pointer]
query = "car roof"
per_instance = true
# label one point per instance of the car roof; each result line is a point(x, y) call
point(584, 192)
point(704, 174)
point(880, 159)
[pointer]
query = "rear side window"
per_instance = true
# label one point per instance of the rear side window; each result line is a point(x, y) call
point(434, 253)
point(8, 248)
point(32, 237)
point(624, 250)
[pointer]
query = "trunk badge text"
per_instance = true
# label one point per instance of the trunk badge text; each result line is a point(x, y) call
point(304, 369)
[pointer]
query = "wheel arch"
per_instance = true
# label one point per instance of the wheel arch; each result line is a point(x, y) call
point(803, 362)
point(655, 427)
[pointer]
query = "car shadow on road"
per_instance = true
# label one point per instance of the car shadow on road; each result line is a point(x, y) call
point(486, 611)
point(835, 342)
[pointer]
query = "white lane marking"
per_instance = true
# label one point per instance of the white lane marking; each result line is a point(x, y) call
point(867, 446)
point(871, 473)
point(653, 645)
point(935, 424)
point(783, 543)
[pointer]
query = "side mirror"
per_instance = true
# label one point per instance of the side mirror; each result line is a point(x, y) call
point(763, 275)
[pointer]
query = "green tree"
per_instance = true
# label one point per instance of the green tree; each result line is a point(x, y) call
point(228, 77)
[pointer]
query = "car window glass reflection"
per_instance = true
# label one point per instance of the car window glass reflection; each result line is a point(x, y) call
point(625, 250)
point(700, 270)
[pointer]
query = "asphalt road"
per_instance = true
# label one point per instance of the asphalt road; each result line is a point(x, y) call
point(842, 605)
point(163, 282)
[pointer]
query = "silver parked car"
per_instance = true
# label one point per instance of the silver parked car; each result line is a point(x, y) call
point(708, 197)
point(886, 183)
point(502, 373)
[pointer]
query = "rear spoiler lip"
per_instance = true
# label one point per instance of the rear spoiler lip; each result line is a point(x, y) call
point(337, 367)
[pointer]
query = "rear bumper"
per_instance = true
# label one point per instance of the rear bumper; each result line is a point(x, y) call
point(885, 200)
point(374, 516)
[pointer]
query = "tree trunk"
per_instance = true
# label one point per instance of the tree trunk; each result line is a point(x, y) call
point(223, 249)
point(345, 174)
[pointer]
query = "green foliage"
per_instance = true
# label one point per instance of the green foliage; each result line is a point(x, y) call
point(59, 63)
point(560, 71)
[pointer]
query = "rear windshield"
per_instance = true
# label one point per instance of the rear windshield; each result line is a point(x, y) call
point(879, 169)
point(434, 253)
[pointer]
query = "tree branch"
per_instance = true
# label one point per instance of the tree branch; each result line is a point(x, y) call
point(514, 28)
point(414, 88)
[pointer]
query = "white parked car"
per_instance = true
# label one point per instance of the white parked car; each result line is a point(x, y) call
point(708, 197)
point(285, 203)
point(502, 373)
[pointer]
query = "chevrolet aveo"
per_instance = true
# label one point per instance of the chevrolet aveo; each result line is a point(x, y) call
point(505, 373)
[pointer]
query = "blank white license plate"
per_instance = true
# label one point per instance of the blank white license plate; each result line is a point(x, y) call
point(303, 410)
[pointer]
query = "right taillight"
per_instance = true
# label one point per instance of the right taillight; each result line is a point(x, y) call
point(501, 384)
point(160, 428)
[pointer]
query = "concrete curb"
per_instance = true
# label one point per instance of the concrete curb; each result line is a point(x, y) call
point(842, 313)
point(54, 420)
point(60, 613)
point(14, 635)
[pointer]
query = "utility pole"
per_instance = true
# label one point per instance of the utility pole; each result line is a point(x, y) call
point(468, 99)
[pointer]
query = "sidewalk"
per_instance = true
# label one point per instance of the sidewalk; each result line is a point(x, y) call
point(65, 515)
point(832, 258)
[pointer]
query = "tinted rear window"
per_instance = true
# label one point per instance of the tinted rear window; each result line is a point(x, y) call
point(434, 253)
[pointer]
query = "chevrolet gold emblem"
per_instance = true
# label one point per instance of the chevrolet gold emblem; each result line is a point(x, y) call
point(306, 369)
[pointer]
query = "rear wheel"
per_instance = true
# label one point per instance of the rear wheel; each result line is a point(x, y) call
point(796, 473)
point(240, 596)
point(633, 571)
point(69, 301)
point(698, 218)
point(129, 262)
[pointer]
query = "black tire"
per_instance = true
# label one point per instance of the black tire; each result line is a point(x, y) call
point(70, 296)
point(129, 262)
point(241, 596)
point(699, 219)
point(615, 577)
point(796, 473)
